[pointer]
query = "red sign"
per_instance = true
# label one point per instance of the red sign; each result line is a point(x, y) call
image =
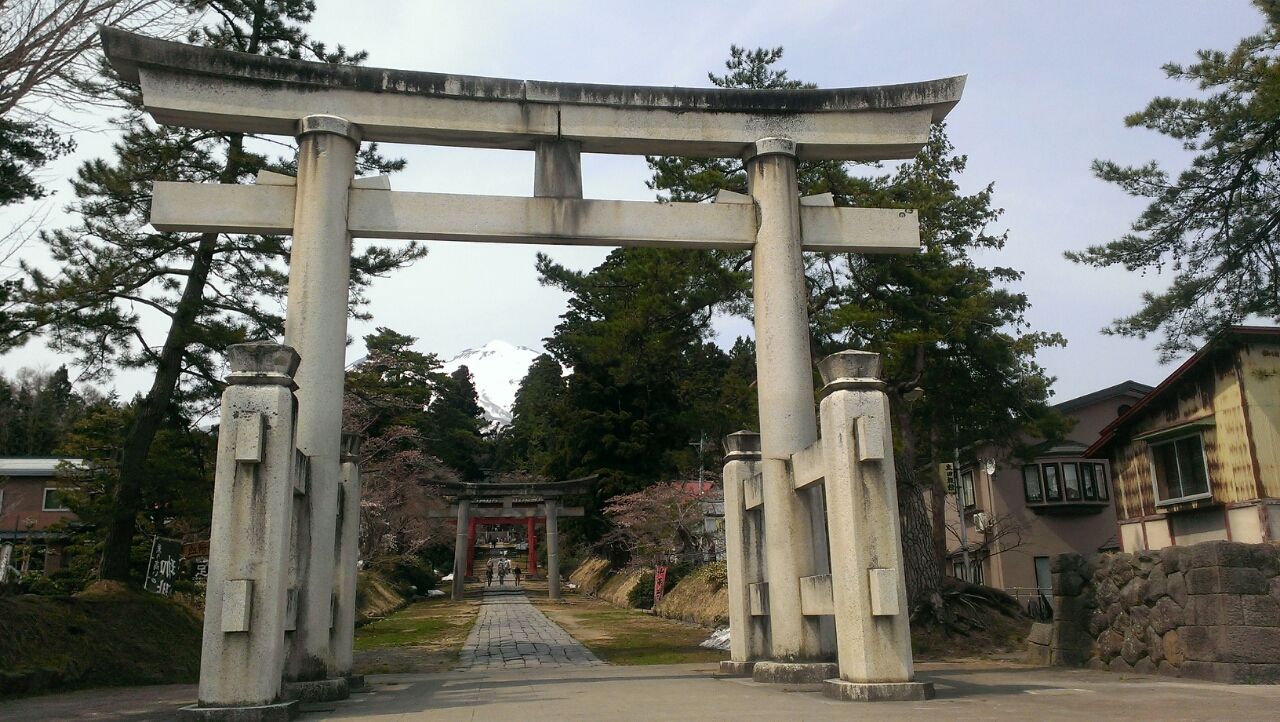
point(659, 584)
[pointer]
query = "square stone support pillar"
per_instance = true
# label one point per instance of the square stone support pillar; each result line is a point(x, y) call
point(243, 650)
point(460, 550)
point(348, 550)
point(744, 555)
point(316, 325)
point(867, 582)
point(553, 549)
point(785, 388)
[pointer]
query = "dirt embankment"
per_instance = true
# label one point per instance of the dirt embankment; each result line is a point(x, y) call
point(376, 597)
point(102, 637)
point(702, 597)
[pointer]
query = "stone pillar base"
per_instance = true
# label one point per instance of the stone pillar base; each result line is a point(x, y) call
point(877, 691)
point(736, 669)
point(809, 674)
point(355, 682)
point(280, 712)
point(320, 690)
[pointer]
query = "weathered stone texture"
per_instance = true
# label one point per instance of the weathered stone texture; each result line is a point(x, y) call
point(1209, 611)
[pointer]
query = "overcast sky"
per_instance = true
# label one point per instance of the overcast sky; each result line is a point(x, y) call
point(1049, 85)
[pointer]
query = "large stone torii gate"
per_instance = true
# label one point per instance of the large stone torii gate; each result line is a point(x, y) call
point(330, 109)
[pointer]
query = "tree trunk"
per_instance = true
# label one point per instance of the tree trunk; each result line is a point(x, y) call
point(127, 497)
point(920, 563)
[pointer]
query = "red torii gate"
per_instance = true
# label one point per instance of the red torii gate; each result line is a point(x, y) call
point(508, 503)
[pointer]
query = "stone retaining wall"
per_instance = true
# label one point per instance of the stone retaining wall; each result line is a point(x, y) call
point(1207, 611)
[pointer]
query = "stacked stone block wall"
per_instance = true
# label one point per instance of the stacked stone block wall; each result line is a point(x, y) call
point(1207, 611)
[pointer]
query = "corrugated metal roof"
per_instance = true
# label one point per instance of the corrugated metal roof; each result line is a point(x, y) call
point(34, 465)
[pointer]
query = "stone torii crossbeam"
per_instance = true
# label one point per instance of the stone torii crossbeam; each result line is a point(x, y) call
point(330, 109)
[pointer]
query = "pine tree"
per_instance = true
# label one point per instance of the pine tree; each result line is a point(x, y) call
point(214, 290)
point(454, 425)
point(1214, 225)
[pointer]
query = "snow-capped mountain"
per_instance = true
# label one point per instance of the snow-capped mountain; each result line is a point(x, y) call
point(497, 368)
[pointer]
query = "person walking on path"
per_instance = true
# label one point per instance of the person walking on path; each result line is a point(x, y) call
point(488, 574)
point(515, 572)
point(502, 575)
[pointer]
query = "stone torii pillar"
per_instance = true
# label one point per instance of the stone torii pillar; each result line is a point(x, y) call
point(460, 550)
point(785, 388)
point(345, 568)
point(316, 325)
point(242, 653)
point(553, 548)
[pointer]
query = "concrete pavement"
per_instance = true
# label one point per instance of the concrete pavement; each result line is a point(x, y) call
point(979, 690)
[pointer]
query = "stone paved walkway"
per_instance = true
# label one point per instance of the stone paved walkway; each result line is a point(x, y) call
point(510, 633)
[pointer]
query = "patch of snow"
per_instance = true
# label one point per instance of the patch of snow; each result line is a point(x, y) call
point(497, 368)
point(719, 639)
point(435, 593)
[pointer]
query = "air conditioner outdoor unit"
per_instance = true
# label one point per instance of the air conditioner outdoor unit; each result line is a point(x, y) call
point(981, 521)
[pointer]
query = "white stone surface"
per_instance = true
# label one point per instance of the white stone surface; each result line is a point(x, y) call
point(862, 518)
point(784, 375)
point(249, 544)
point(342, 639)
point(191, 207)
point(744, 552)
point(316, 325)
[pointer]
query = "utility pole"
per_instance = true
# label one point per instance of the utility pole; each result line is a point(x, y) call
point(964, 532)
point(701, 444)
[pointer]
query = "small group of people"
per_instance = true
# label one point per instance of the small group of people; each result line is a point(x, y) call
point(502, 567)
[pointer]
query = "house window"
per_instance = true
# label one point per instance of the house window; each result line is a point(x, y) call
point(1052, 485)
point(966, 489)
point(1071, 481)
point(1088, 481)
point(1179, 469)
point(975, 572)
point(1100, 472)
point(1031, 484)
point(957, 570)
point(53, 500)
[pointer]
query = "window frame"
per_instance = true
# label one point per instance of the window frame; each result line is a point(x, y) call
point(1198, 435)
point(1088, 480)
point(968, 493)
point(1066, 489)
point(1100, 472)
point(44, 499)
point(1039, 484)
point(1057, 477)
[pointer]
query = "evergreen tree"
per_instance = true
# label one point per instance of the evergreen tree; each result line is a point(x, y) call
point(454, 425)
point(1214, 225)
point(645, 382)
point(214, 290)
point(534, 436)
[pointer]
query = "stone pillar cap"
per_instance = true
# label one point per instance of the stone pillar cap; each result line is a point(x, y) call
point(262, 363)
point(322, 123)
point(742, 445)
point(850, 370)
point(773, 145)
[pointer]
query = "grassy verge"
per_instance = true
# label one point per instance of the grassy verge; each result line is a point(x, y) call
point(105, 638)
point(426, 636)
point(629, 636)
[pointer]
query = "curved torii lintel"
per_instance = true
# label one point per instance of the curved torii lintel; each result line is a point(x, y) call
point(237, 92)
